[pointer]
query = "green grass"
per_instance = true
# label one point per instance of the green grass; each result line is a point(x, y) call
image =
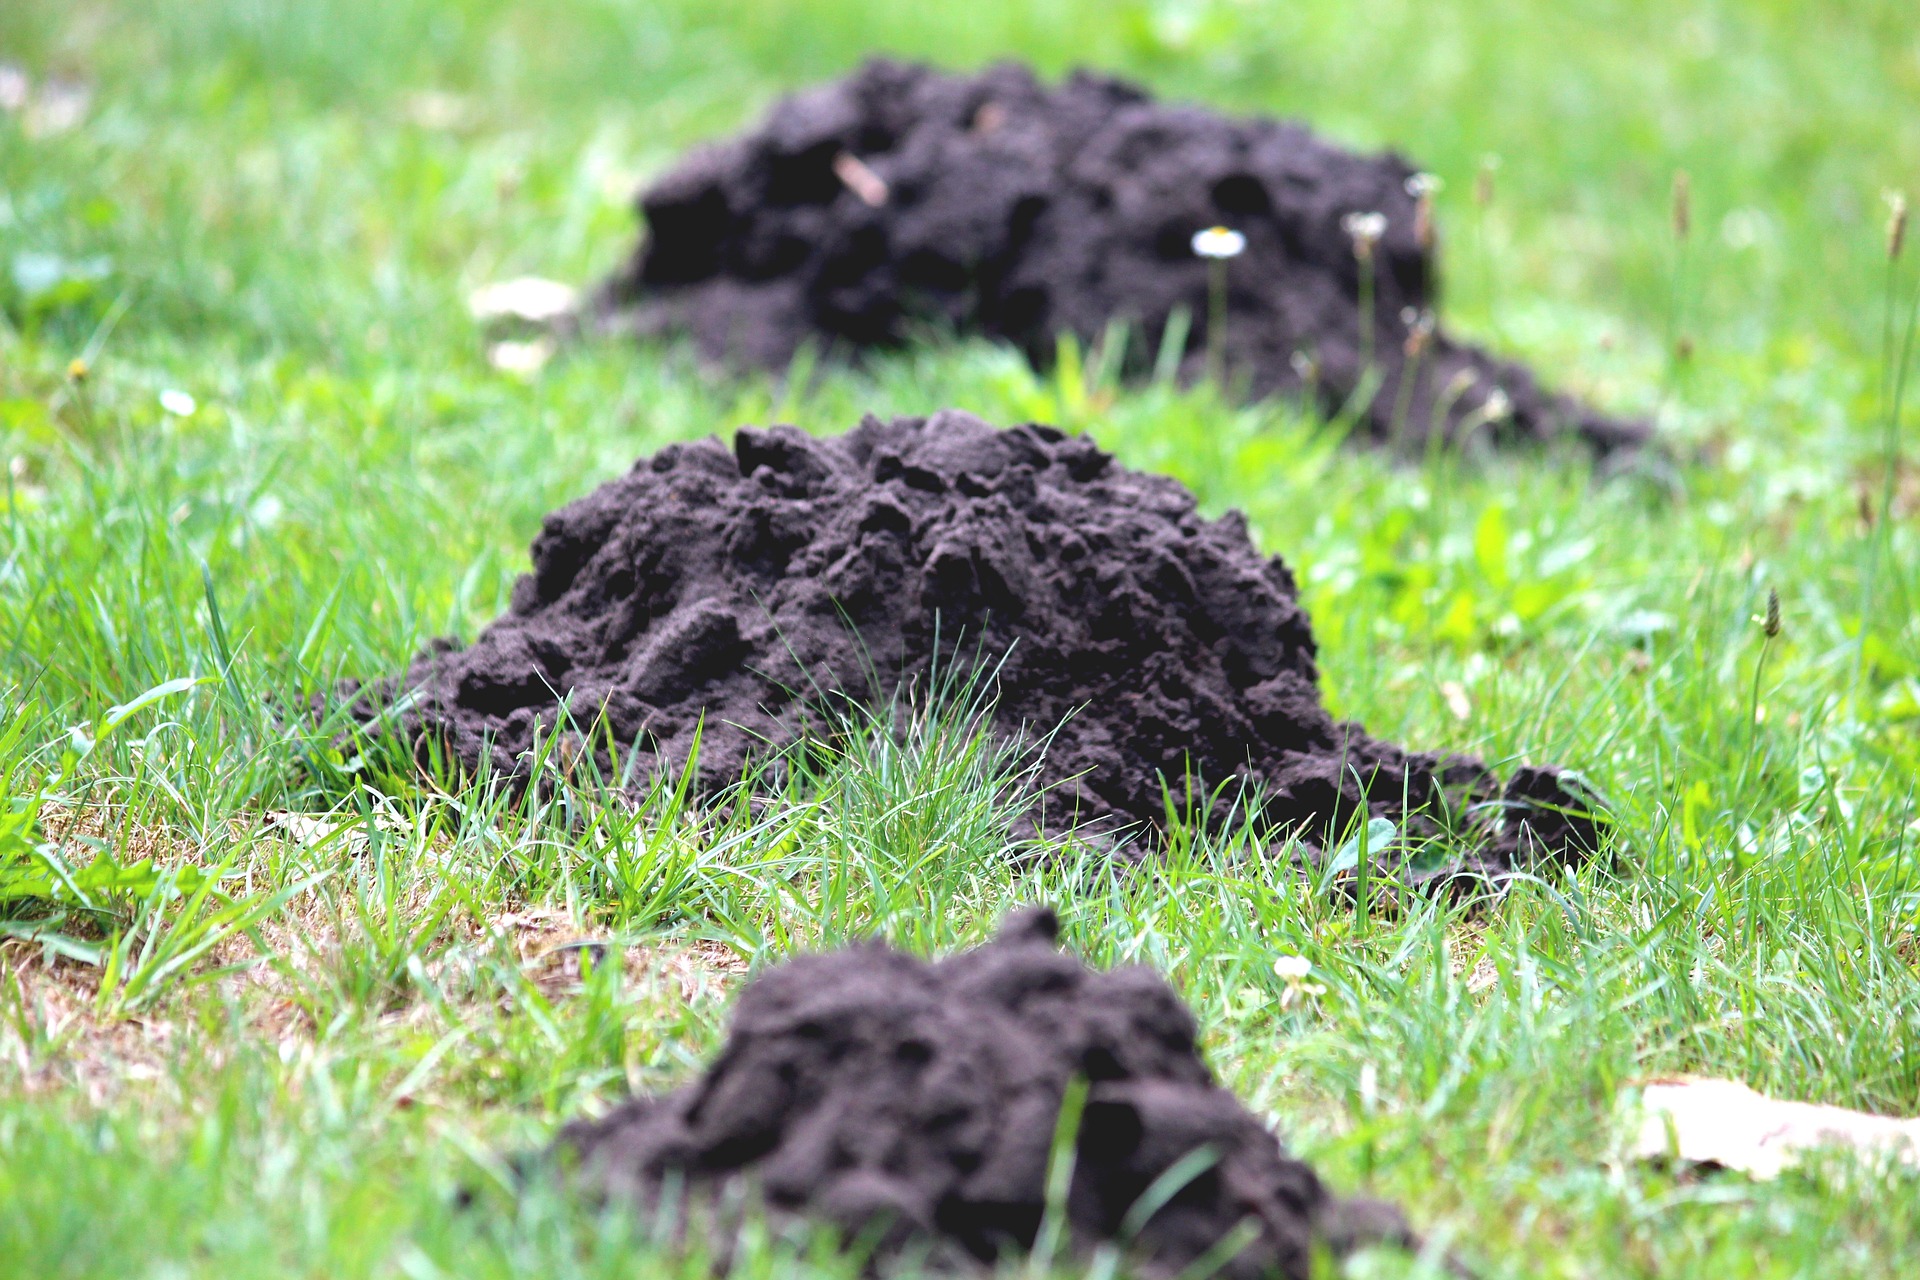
point(260, 1056)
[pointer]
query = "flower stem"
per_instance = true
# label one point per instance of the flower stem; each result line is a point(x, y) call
point(1217, 322)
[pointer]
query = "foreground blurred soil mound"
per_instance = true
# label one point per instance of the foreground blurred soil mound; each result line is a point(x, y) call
point(917, 1105)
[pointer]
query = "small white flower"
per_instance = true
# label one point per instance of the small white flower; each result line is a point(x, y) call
point(1218, 243)
point(15, 88)
point(1423, 184)
point(529, 299)
point(1364, 228)
point(522, 358)
point(1498, 405)
point(1293, 971)
point(55, 107)
point(178, 403)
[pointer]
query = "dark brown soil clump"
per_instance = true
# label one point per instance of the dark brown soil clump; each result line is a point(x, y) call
point(900, 201)
point(915, 1104)
point(732, 592)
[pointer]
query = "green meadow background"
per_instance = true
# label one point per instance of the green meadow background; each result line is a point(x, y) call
point(234, 1042)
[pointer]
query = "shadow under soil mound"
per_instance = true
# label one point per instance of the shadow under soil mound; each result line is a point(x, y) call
point(900, 201)
point(916, 1105)
point(732, 593)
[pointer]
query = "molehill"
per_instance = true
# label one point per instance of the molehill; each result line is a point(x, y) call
point(900, 201)
point(916, 1104)
point(732, 591)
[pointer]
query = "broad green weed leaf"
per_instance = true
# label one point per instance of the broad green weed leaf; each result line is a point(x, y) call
point(1378, 835)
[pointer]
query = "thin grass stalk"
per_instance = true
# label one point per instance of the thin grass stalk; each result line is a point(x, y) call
point(1896, 405)
point(1418, 337)
point(1483, 193)
point(1366, 316)
point(1677, 346)
point(1217, 323)
point(1894, 368)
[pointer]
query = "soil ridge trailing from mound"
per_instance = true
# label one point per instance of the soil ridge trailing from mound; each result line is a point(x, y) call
point(724, 593)
point(916, 1104)
point(900, 201)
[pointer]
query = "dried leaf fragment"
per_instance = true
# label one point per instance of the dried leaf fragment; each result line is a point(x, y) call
point(1723, 1122)
point(310, 831)
point(869, 186)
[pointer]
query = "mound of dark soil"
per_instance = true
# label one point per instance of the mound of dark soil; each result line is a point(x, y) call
point(915, 1103)
point(900, 200)
point(729, 592)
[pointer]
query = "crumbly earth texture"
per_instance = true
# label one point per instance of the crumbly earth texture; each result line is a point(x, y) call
point(900, 201)
point(916, 1105)
point(745, 595)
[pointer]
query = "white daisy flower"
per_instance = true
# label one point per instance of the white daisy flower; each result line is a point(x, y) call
point(1218, 243)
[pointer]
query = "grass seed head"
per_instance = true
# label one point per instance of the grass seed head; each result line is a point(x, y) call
point(1896, 224)
point(1419, 333)
point(1682, 204)
point(1771, 624)
point(1365, 230)
point(1483, 181)
point(1421, 187)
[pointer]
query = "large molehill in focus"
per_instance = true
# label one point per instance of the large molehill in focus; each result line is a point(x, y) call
point(739, 593)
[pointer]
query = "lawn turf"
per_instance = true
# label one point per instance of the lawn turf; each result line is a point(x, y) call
point(279, 1048)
